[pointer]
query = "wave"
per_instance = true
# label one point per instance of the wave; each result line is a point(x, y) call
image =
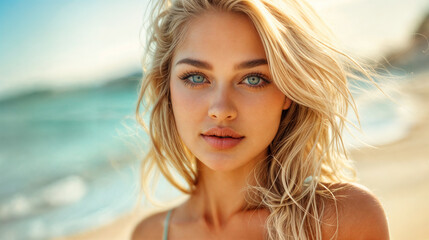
point(383, 117)
point(65, 191)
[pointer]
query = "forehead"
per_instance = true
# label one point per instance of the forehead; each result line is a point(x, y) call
point(221, 35)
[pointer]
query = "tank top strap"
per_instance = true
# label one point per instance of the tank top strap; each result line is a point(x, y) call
point(166, 223)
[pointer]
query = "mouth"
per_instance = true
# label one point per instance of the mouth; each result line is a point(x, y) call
point(222, 138)
point(222, 133)
point(216, 136)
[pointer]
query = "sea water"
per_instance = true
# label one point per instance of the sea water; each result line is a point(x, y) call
point(69, 160)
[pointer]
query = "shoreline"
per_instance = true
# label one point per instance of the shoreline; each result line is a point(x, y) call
point(397, 173)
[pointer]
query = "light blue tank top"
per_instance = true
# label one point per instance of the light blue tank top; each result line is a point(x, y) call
point(166, 223)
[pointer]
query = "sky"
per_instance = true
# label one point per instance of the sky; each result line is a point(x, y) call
point(64, 43)
point(370, 28)
point(60, 43)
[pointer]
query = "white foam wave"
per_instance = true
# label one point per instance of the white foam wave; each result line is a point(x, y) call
point(18, 205)
point(65, 191)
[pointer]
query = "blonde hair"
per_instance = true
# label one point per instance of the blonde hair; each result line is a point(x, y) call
point(307, 153)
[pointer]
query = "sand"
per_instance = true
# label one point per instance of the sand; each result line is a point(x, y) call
point(398, 174)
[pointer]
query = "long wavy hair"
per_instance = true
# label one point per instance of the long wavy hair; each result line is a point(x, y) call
point(307, 153)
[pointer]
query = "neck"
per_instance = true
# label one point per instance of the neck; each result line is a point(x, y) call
point(220, 195)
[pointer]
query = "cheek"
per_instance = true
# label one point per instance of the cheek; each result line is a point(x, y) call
point(266, 106)
point(187, 109)
point(265, 114)
point(180, 105)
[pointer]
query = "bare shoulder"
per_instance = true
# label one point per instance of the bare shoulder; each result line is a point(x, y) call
point(357, 213)
point(150, 227)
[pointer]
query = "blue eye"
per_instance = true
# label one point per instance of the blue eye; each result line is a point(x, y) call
point(196, 78)
point(253, 80)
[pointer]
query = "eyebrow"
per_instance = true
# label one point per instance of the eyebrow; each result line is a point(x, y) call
point(195, 63)
point(208, 66)
point(251, 64)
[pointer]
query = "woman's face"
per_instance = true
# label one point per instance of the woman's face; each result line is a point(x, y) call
point(226, 107)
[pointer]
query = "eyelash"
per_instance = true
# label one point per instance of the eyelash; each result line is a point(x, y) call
point(184, 77)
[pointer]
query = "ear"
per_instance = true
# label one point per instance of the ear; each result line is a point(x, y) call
point(287, 103)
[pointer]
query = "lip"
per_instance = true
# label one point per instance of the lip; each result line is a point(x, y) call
point(222, 132)
point(222, 138)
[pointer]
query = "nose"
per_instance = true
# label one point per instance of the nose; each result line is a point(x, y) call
point(222, 106)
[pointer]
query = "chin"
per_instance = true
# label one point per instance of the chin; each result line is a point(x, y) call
point(218, 165)
point(221, 164)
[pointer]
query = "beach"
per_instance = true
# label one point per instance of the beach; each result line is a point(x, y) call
point(397, 173)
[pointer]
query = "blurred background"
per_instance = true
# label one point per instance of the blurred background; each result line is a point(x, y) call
point(70, 147)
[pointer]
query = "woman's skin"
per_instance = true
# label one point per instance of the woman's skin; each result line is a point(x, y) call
point(220, 79)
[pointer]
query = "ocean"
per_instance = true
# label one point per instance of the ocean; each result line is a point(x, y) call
point(66, 159)
point(69, 159)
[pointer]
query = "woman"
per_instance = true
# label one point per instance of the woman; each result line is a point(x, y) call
point(248, 100)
